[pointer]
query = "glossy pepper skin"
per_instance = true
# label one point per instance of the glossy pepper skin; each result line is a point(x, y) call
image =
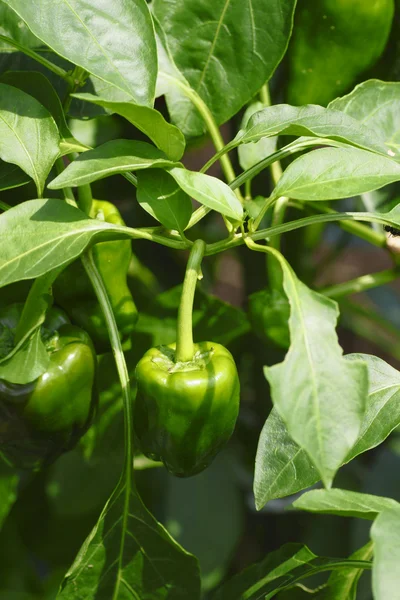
point(185, 413)
point(74, 293)
point(42, 419)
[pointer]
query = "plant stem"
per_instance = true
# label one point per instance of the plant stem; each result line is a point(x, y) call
point(85, 198)
point(78, 77)
point(360, 284)
point(40, 59)
point(210, 124)
point(184, 332)
point(265, 95)
point(366, 233)
point(105, 304)
point(35, 307)
point(131, 178)
point(67, 191)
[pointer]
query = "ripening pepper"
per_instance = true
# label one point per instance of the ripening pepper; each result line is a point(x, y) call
point(185, 412)
point(74, 293)
point(42, 419)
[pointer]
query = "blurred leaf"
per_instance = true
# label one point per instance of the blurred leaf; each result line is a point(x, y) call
point(28, 134)
point(150, 121)
point(116, 156)
point(344, 503)
point(215, 499)
point(332, 44)
point(12, 176)
point(332, 173)
point(213, 319)
point(12, 26)
point(162, 198)
point(250, 154)
point(209, 191)
point(114, 41)
point(225, 51)
point(385, 533)
point(376, 104)
point(342, 585)
point(279, 571)
point(8, 489)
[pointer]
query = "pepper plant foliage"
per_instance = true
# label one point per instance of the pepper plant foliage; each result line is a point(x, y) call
point(172, 73)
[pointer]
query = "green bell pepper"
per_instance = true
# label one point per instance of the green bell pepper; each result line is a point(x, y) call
point(74, 293)
point(42, 419)
point(186, 412)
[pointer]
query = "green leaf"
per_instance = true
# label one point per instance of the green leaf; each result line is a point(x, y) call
point(37, 85)
point(112, 40)
point(225, 49)
point(344, 503)
point(167, 137)
point(213, 319)
point(332, 173)
point(210, 191)
point(8, 489)
point(28, 134)
point(12, 176)
point(132, 558)
point(12, 27)
point(251, 154)
point(28, 363)
point(321, 401)
point(311, 120)
point(376, 105)
point(283, 468)
point(342, 584)
point(385, 534)
point(162, 198)
point(214, 496)
point(116, 156)
point(41, 235)
point(333, 44)
point(279, 571)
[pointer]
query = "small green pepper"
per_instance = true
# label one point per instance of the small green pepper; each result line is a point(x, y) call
point(269, 313)
point(186, 412)
point(74, 293)
point(42, 419)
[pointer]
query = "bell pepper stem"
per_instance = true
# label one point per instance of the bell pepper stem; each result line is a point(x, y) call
point(184, 333)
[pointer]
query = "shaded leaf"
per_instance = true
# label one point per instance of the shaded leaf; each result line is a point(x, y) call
point(37, 85)
point(11, 176)
point(161, 197)
point(28, 134)
point(141, 561)
point(8, 489)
